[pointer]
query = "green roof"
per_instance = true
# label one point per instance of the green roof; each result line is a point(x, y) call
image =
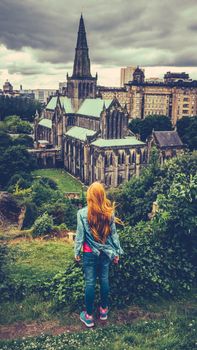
point(46, 122)
point(79, 133)
point(93, 107)
point(66, 103)
point(52, 103)
point(128, 141)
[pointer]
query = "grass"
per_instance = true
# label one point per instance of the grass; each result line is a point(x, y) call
point(31, 263)
point(143, 335)
point(64, 180)
point(31, 308)
point(38, 260)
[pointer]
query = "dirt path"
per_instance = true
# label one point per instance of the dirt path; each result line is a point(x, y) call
point(54, 327)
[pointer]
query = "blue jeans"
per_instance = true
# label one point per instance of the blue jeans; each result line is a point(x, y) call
point(94, 265)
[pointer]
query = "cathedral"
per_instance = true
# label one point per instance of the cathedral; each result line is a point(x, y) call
point(89, 132)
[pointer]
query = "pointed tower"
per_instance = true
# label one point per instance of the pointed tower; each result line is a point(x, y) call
point(81, 84)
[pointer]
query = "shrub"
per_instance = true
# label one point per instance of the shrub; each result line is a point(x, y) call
point(42, 193)
point(3, 262)
point(42, 225)
point(24, 140)
point(47, 181)
point(24, 180)
point(31, 213)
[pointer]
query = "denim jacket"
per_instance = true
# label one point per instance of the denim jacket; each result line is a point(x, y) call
point(112, 245)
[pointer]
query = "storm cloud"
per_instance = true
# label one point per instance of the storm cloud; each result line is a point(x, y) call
point(119, 32)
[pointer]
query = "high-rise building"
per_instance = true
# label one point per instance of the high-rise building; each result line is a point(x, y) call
point(126, 74)
point(172, 98)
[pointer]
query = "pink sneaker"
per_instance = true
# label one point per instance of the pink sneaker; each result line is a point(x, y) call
point(103, 313)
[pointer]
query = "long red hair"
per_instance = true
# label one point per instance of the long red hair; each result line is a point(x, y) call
point(100, 211)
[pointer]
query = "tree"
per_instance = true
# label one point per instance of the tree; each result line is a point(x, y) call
point(135, 125)
point(15, 125)
point(5, 140)
point(13, 160)
point(21, 106)
point(134, 200)
point(145, 127)
point(24, 140)
point(187, 129)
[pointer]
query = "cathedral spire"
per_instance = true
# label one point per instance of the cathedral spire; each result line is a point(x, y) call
point(81, 67)
point(81, 39)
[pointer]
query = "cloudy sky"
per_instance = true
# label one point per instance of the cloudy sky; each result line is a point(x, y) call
point(38, 38)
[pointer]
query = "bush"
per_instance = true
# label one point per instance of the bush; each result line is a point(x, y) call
point(24, 180)
point(47, 181)
point(24, 140)
point(31, 213)
point(42, 194)
point(7, 288)
point(42, 225)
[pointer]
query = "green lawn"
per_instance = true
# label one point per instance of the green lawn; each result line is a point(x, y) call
point(64, 180)
point(38, 260)
point(31, 263)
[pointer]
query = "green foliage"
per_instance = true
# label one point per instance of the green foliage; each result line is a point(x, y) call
point(21, 106)
point(13, 160)
point(24, 140)
point(24, 180)
point(47, 181)
point(177, 216)
point(134, 199)
point(42, 225)
point(62, 211)
point(42, 193)
point(187, 129)
point(14, 125)
point(3, 262)
point(145, 127)
point(31, 213)
point(5, 140)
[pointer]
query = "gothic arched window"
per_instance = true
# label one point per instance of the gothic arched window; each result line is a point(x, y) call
point(106, 160)
point(111, 159)
point(123, 158)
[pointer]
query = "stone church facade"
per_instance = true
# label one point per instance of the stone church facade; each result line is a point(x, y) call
point(91, 133)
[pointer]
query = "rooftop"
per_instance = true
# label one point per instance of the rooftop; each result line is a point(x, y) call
point(80, 133)
point(93, 107)
point(167, 138)
point(66, 103)
point(46, 122)
point(128, 141)
point(52, 103)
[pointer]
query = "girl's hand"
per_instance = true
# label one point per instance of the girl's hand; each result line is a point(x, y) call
point(77, 258)
point(116, 260)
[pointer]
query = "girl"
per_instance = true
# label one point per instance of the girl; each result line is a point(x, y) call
point(96, 232)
